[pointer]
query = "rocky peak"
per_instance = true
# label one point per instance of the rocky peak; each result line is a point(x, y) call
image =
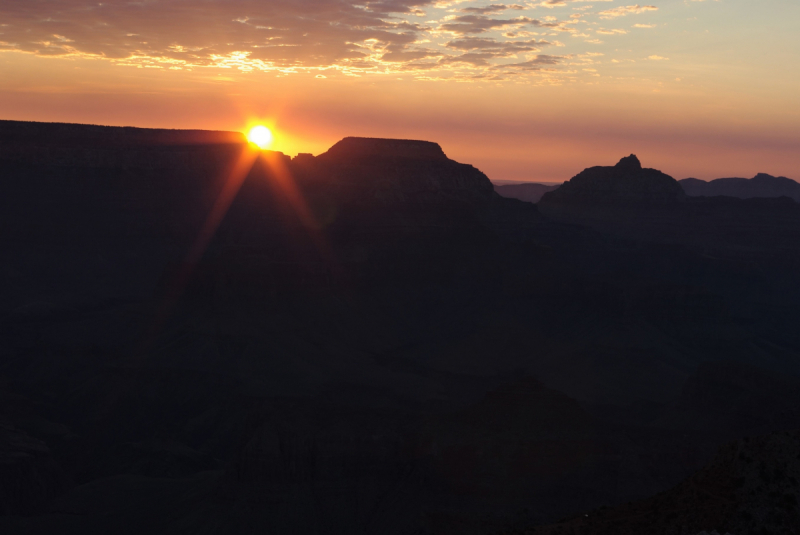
point(625, 182)
point(629, 163)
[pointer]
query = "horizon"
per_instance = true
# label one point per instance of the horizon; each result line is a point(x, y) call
point(497, 182)
point(525, 92)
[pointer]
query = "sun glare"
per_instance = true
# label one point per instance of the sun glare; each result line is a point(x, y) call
point(261, 136)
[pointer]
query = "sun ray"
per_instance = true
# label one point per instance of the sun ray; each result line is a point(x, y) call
point(236, 176)
point(282, 175)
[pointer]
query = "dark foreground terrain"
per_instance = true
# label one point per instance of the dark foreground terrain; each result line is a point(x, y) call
point(198, 338)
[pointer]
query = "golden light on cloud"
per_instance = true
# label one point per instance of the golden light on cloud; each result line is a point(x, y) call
point(261, 136)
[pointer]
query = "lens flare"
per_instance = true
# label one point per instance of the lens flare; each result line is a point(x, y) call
point(260, 136)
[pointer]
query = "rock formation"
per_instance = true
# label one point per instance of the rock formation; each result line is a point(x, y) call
point(363, 148)
point(625, 183)
point(368, 170)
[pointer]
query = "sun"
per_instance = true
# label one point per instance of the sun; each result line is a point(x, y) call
point(261, 136)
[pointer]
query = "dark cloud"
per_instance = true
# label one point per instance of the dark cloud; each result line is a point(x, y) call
point(482, 43)
point(534, 64)
point(401, 53)
point(474, 24)
point(491, 9)
point(483, 59)
point(476, 59)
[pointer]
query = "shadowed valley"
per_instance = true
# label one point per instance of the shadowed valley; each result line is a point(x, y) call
point(201, 337)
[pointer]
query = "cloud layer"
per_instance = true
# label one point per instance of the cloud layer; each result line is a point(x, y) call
point(425, 38)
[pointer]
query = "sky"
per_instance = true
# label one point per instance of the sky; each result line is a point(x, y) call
point(524, 91)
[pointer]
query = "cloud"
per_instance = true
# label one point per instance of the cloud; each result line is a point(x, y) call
point(475, 24)
point(561, 3)
point(480, 51)
point(491, 9)
point(621, 11)
point(280, 32)
point(479, 43)
point(462, 38)
point(534, 64)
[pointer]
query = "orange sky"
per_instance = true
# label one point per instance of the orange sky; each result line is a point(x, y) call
point(532, 91)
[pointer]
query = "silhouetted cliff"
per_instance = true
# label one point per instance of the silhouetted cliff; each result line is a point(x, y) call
point(115, 147)
point(368, 170)
point(361, 148)
point(24, 133)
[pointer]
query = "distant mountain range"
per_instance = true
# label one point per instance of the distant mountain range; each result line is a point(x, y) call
point(760, 186)
point(526, 191)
